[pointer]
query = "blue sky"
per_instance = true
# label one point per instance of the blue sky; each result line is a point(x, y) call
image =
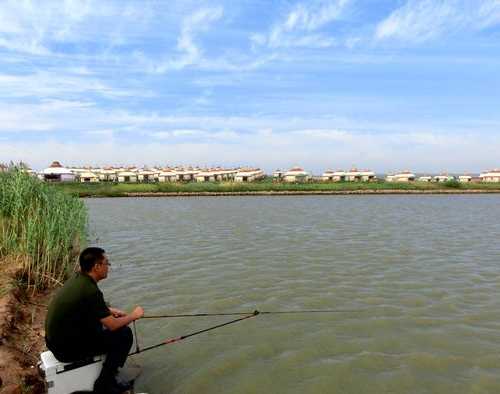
point(324, 84)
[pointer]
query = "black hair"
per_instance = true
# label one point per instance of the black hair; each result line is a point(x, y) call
point(90, 257)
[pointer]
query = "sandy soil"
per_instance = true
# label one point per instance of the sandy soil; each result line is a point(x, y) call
point(21, 335)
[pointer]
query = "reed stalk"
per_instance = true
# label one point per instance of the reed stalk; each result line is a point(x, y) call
point(41, 226)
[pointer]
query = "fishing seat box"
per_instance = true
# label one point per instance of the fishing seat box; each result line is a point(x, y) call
point(65, 378)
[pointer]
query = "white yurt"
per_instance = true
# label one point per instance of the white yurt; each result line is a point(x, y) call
point(249, 175)
point(490, 176)
point(88, 177)
point(296, 174)
point(57, 173)
point(404, 176)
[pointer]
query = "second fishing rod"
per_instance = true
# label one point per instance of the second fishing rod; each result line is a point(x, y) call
point(245, 316)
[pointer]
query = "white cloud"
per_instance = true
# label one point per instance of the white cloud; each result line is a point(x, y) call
point(422, 20)
point(61, 84)
point(324, 134)
point(489, 13)
point(379, 152)
point(204, 135)
point(296, 28)
point(312, 18)
point(197, 22)
point(34, 27)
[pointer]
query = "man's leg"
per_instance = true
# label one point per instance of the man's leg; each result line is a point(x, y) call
point(120, 342)
point(116, 344)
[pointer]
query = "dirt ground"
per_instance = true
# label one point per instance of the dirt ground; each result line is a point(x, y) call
point(22, 334)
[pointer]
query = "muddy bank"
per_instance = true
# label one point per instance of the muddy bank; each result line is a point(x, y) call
point(22, 333)
point(307, 193)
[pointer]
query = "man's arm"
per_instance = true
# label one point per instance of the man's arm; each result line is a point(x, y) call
point(117, 312)
point(114, 323)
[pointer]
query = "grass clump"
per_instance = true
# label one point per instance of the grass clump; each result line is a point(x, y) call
point(41, 227)
point(453, 183)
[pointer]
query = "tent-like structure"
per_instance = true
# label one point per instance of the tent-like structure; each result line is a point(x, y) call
point(57, 173)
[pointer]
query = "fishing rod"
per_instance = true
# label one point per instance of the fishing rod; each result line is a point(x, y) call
point(246, 315)
point(177, 339)
point(255, 312)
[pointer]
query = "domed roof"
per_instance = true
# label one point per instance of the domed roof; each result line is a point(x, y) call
point(56, 168)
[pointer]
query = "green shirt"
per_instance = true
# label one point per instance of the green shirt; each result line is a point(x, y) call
point(75, 312)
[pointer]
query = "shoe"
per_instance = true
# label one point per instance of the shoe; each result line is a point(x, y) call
point(123, 386)
point(110, 386)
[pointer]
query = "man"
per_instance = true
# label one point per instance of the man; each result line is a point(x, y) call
point(79, 324)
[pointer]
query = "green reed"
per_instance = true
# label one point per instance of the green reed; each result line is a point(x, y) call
point(267, 185)
point(41, 228)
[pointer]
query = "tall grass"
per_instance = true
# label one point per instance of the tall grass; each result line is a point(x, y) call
point(122, 189)
point(41, 227)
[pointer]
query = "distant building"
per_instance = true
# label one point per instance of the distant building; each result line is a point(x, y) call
point(88, 177)
point(329, 176)
point(334, 176)
point(404, 176)
point(490, 176)
point(167, 175)
point(57, 173)
point(107, 174)
point(249, 175)
point(186, 174)
point(206, 176)
point(355, 175)
point(222, 174)
point(127, 176)
point(424, 178)
point(465, 178)
point(296, 174)
point(146, 175)
point(278, 175)
point(78, 170)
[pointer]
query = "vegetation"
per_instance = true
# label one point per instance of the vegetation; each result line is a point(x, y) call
point(41, 228)
point(267, 185)
point(453, 183)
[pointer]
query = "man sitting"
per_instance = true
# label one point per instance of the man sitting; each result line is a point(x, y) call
point(79, 324)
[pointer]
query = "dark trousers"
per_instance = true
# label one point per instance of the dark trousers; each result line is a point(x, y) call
point(115, 344)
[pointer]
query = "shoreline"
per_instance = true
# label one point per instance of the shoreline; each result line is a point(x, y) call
point(299, 193)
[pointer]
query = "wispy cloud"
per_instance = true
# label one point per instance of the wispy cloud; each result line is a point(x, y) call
point(190, 51)
point(36, 28)
point(61, 84)
point(324, 134)
point(421, 20)
point(298, 27)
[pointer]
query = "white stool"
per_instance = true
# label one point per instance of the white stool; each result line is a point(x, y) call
point(65, 378)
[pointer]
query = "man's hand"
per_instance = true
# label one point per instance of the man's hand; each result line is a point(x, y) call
point(113, 322)
point(117, 312)
point(137, 313)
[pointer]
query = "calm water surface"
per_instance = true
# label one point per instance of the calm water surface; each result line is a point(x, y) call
point(422, 270)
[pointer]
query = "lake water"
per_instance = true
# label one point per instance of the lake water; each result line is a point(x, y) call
point(421, 273)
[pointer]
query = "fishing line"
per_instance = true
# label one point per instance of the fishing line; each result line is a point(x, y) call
point(258, 312)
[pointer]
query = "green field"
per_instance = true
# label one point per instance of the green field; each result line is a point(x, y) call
point(123, 189)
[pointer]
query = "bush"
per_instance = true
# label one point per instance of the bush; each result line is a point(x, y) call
point(452, 183)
